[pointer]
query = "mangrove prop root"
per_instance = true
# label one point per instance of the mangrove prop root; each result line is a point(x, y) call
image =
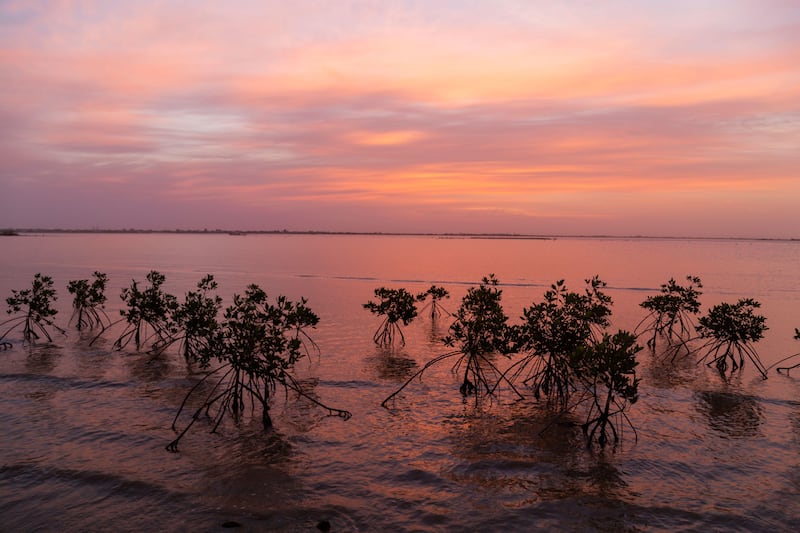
point(417, 374)
point(786, 368)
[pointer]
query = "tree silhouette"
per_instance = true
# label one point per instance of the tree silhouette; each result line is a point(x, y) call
point(35, 306)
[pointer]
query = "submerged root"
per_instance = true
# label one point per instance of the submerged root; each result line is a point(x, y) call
point(787, 369)
point(387, 334)
point(731, 354)
point(229, 394)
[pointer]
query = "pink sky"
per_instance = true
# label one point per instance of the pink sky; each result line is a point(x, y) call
point(486, 116)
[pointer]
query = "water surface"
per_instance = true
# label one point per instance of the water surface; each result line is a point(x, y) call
point(84, 427)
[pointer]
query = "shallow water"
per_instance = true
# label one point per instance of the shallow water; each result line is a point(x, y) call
point(84, 428)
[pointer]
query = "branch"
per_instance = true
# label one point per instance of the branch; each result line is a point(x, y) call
point(419, 373)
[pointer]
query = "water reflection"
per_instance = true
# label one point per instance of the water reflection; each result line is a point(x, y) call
point(793, 473)
point(391, 365)
point(731, 414)
point(304, 415)
point(413, 467)
point(437, 330)
point(149, 368)
point(92, 362)
point(246, 470)
point(43, 358)
point(665, 373)
point(529, 455)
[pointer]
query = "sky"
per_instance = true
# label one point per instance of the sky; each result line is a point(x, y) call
point(677, 118)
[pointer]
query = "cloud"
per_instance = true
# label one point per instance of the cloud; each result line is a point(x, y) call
point(516, 112)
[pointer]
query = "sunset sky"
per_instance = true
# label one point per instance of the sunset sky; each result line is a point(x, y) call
point(613, 117)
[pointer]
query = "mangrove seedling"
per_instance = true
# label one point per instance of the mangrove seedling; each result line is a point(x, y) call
point(480, 330)
point(395, 305)
point(789, 368)
point(670, 313)
point(552, 330)
point(196, 322)
point(35, 304)
point(730, 330)
point(257, 346)
point(88, 302)
point(148, 315)
point(437, 294)
point(606, 371)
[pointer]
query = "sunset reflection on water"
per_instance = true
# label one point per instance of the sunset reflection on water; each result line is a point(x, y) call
point(713, 452)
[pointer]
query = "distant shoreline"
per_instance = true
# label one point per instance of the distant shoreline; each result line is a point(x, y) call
point(498, 236)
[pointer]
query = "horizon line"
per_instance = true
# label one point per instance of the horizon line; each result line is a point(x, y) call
point(486, 235)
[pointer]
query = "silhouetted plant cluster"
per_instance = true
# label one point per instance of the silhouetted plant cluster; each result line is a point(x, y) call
point(724, 336)
point(149, 315)
point(37, 313)
point(88, 302)
point(730, 331)
point(606, 370)
point(255, 346)
point(436, 295)
point(552, 331)
point(196, 321)
point(563, 350)
point(565, 355)
point(478, 331)
point(671, 312)
point(399, 306)
point(395, 305)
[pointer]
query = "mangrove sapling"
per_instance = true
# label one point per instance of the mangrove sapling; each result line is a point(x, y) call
point(257, 345)
point(35, 304)
point(196, 321)
point(551, 331)
point(670, 313)
point(730, 330)
point(480, 329)
point(396, 305)
point(436, 294)
point(789, 368)
point(148, 315)
point(606, 371)
point(88, 302)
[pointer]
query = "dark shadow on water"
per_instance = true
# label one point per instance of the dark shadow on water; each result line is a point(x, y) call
point(665, 373)
point(731, 413)
point(391, 365)
point(531, 455)
point(793, 474)
point(92, 360)
point(149, 368)
point(248, 469)
point(437, 330)
point(42, 358)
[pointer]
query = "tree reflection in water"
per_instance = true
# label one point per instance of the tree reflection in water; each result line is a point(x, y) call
point(391, 365)
point(149, 368)
point(663, 373)
point(43, 358)
point(730, 413)
point(525, 457)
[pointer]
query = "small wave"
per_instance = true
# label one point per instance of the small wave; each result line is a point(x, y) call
point(34, 474)
point(61, 381)
point(455, 282)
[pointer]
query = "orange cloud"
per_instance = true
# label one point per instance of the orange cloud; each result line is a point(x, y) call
point(507, 108)
point(385, 138)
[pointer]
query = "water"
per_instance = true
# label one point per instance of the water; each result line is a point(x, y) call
point(84, 428)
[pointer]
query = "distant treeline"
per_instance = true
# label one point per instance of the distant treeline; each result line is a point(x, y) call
point(520, 236)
